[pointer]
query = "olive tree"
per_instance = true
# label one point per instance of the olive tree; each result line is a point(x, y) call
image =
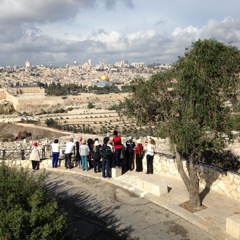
point(189, 103)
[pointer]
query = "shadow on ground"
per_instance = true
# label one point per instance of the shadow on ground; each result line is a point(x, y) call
point(88, 218)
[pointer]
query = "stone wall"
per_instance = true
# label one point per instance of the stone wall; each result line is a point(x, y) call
point(12, 99)
point(31, 99)
point(224, 182)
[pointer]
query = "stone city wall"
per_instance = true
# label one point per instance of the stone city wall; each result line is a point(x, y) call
point(12, 99)
point(38, 102)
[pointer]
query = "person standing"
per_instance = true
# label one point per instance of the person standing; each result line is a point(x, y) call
point(78, 156)
point(68, 153)
point(139, 156)
point(112, 160)
point(151, 146)
point(84, 153)
point(35, 156)
point(106, 154)
point(96, 156)
point(130, 145)
point(117, 144)
point(90, 143)
point(55, 153)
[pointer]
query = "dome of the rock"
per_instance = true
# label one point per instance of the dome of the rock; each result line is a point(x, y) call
point(104, 77)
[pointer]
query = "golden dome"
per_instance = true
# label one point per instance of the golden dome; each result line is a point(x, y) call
point(104, 77)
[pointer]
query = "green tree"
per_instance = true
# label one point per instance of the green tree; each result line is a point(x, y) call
point(90, 105)
point(51, 123)
point(187, 104)
point(27, 210)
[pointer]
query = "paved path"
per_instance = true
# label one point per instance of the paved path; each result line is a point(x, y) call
point(212, 219)
point(101, 210)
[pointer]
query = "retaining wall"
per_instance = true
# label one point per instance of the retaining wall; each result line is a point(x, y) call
point(224, 182)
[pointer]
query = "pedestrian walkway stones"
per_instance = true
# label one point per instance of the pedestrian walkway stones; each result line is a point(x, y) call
point(233, 226)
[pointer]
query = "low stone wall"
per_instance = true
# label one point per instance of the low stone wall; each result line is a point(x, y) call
point(224, 182)
point(227, 183)
point(27, 164)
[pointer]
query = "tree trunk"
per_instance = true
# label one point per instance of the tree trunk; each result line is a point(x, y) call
point(191, 180)
point(194, 196)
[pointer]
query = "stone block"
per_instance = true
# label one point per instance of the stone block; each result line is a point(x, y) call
point(116, 172)
point(233, 226)
point(147, 186)
point(158, 188)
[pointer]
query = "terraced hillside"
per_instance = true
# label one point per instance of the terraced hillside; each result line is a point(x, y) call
point(98, 121)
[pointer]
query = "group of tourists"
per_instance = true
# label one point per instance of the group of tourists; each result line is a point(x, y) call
point(112, 153)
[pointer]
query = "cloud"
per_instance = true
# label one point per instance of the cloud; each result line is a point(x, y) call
point(53, 32)
point(23, 11)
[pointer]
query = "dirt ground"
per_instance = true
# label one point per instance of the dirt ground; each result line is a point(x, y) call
point(8, 130)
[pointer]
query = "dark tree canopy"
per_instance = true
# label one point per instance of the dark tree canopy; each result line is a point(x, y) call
point(207, 77)
point(190, 103)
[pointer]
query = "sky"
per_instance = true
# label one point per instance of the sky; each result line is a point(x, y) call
point(61, 32)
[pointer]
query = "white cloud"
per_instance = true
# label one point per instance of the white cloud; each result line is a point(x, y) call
point(62, 31)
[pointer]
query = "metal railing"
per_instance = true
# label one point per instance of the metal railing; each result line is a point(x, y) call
point(21, 154)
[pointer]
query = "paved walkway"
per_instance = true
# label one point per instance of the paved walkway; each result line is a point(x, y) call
point(212, 219)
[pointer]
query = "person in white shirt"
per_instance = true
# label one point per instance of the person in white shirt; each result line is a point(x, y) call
point(68, 153)
point(55, 153)
point(151, 146)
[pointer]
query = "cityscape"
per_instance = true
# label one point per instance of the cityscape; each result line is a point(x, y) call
point(87, 74)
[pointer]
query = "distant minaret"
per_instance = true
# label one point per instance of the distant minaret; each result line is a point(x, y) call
point(28, 66)
point(90, 62)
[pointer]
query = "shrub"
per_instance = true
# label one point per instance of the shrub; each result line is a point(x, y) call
point(27, 210)
point(90, 105)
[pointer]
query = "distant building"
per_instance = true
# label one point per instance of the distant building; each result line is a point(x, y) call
point(90, 62)
point(104, 81)
point(28, 66)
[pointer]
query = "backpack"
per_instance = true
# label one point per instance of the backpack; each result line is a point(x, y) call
point(96, 152)
point(106, 152)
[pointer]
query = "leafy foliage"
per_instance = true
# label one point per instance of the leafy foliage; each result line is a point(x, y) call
point(27, 210)
point(59, 90)
point(90, 105)
point(51, 123)
point(189, 105)
point(151, 100)
point(104, 89)
point(207, 77)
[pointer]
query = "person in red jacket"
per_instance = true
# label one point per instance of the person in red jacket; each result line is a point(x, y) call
point(117, 144)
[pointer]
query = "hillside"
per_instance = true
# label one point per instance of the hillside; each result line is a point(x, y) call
point(13, 131)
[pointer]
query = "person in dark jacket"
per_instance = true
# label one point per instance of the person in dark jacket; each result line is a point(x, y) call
point(106, 154)
point(130, 146)
point(96, 156)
